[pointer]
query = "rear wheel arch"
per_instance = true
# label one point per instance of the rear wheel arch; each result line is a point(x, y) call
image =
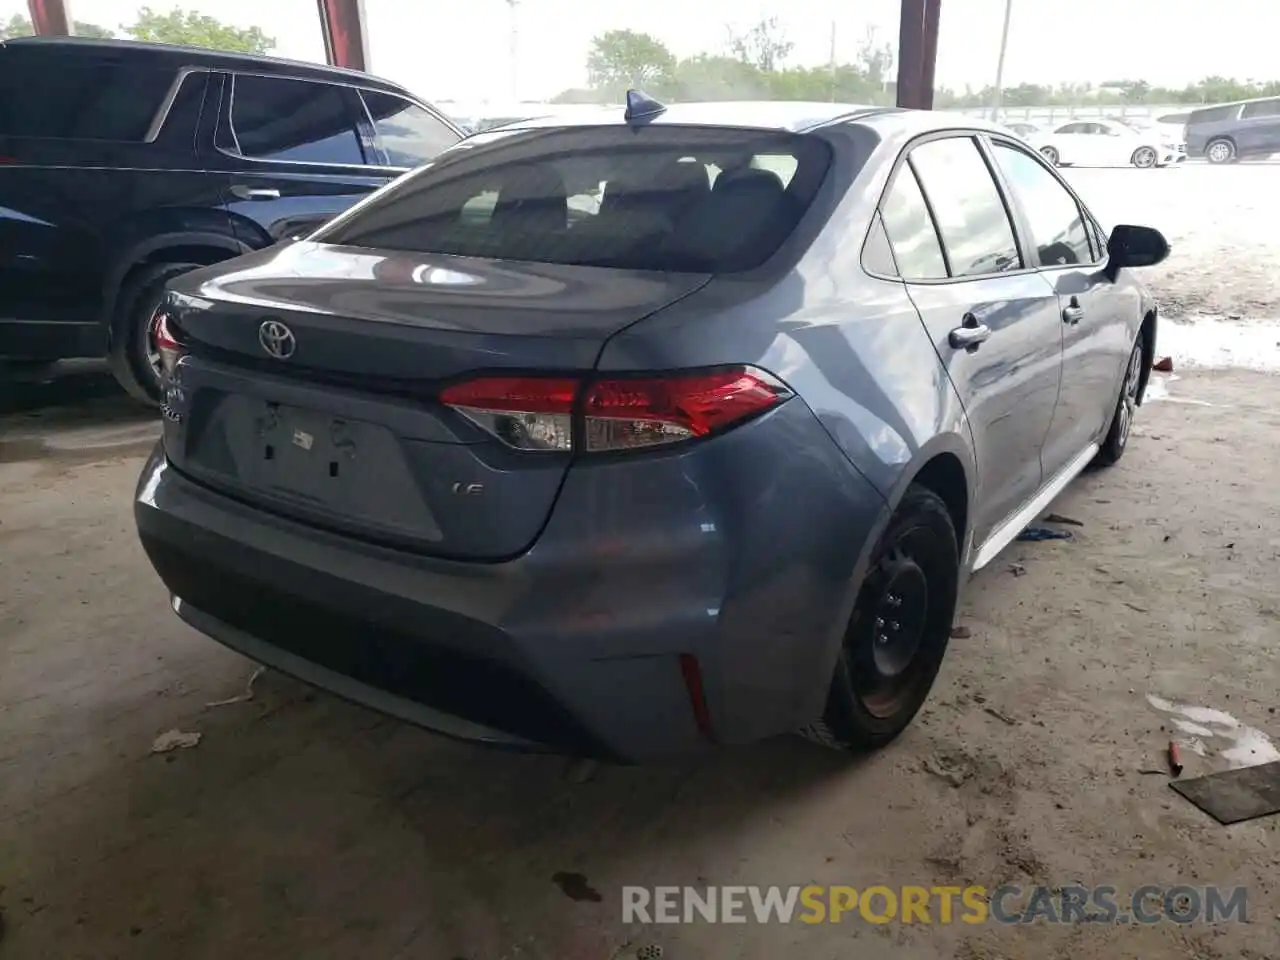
point(198, 248)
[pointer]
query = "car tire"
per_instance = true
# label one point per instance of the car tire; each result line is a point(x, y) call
point(133, 360)
point(1145, 158)
point(1050, 154)
point(897, 635)
point(1118, 433)
point(1220, 151)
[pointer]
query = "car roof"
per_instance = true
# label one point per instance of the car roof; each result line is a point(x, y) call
point(791, 115)
point(171, 55)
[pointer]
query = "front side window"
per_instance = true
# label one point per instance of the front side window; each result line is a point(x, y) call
point(301, 121)
point(1058, 231)
point(1073, 128)
point(916, 248)
point(104, 101)
point(972, 221)
point(607, 196)
point(410, 135)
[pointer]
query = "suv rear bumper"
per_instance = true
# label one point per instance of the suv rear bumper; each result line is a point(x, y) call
point(580, 645)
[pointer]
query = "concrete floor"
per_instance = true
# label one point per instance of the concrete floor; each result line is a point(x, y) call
point(301, 826)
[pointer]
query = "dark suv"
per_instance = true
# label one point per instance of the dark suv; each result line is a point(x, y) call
point(125, 164)
point(1221, 134)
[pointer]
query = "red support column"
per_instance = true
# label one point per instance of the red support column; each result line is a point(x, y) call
point(910, 54)
point(346, 37)
point(929, 48)
point(917, 52)
point(50, 18)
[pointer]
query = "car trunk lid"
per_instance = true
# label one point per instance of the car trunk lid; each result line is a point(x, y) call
point(311, 381)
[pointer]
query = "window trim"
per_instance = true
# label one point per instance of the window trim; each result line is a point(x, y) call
point(989, 140)
point(1015, 222)
point(166, 105)
point(229, 97)
point(383, 155)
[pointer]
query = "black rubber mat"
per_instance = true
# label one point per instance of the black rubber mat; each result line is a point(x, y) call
point(1234, 796)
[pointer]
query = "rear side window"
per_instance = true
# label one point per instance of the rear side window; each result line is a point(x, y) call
point(604, 196)
point(409, 134)
point(100, 101)
point(916, 247)
point(1262, 108)
point(1214, 114)
point(972, 221)
point(276, 118)
point(1057, 229)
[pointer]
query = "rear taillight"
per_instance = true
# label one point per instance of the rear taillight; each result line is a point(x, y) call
point(612, 414)
point(164, 336)
point(528, 413)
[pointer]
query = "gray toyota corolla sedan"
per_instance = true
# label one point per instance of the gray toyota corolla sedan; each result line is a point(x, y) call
point(682, 426)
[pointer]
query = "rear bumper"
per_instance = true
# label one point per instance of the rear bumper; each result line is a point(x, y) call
point(580, 645)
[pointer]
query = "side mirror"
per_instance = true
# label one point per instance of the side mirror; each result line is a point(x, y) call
point(1130, 246)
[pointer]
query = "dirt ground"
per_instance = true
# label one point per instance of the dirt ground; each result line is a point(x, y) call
point(301, 826)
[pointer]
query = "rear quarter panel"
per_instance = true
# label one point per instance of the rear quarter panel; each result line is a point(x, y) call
point(850, 345)
point(852, 348)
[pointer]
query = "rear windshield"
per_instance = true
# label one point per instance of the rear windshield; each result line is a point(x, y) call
point(681, 199)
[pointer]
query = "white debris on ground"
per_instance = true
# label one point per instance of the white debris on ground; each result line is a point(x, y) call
point(1220, 288)
point(172, 740)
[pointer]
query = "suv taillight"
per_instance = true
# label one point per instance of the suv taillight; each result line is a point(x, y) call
point(614, 413)
point(164, 335)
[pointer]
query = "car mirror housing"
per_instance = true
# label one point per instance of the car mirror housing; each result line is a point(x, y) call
point(1133, 246)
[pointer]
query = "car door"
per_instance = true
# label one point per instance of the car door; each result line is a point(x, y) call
point(295, 153)
point(1259, 130)
point(1115, 143)
point(1073, 143)
point(993, 322)
point(1098, 317)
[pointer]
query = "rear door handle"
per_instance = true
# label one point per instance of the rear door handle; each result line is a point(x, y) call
point(969, 335)
point(1072, 313)
point(255, 193)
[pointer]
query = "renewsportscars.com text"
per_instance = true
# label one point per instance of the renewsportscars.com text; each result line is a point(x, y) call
point(939, 905)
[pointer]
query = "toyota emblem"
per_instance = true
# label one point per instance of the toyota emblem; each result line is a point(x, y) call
point(277, 339)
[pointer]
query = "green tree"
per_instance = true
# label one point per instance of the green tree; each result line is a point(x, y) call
point(192, 29)
point(710, 77)
point(20, 26)
point(764, 46)
point(622, 60)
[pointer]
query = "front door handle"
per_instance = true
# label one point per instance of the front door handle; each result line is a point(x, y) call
point(969, 335)
point(255, 193)
point(1072, 313)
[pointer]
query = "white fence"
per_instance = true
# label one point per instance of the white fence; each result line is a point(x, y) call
point(1048, 115)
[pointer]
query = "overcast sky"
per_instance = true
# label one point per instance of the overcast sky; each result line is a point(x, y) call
point(459, 49)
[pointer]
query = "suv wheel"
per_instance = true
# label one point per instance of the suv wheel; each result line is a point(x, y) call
point(898, 633)
point(135, 362)
point(1220, 151)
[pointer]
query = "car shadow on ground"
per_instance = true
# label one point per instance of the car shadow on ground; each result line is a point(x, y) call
point(70, 411)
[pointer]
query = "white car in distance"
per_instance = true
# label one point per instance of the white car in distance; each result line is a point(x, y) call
point(1109, 143)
